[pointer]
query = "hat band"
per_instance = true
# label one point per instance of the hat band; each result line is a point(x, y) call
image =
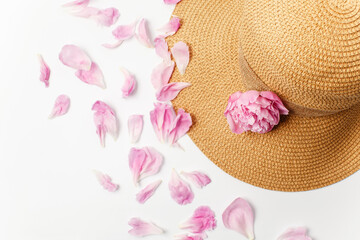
point(252, 81)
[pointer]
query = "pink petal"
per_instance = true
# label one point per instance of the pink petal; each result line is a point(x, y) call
point(143, 35)
point(144, 162)
point(162, 118)
point(147, 192)
point(295, 234)
point(189, 237)
point(112, 45)
point(106, 182)
point(180, 126)
point(94, 76)
point(162, 49)
point(161, 74)
point(85, 12)
point(129, 84)
point(107, 17)
point(170, 91)
point(199, 179)
point(61, 106)
point(124, 32)
point(75, 57)
point(44, 71)
point(180, 52)
point(180, 191)
point(239, 217)
point(171, 1)
point(202, 220)
point(171, 27)
point(142, 229)
point(77, 3)
point(135, 126)
point(105, 121)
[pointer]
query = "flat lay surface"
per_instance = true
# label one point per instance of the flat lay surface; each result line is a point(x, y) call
point(47, 181)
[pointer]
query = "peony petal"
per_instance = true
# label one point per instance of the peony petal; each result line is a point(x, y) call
point(239, 217)
point(74, 57)
point(170, 91)
point(142, 34)
point(162, 118)
point(202, 220)
point(61, 106)
point(180, 126)
point(105, 121)
point(199, 179)
point(77, 3)
point(180, 191)
point(86, 12)
point(180, 52)
point(129, 84)
point(44, 71)
point(188, 237)
point(161, 74)
point(124, 32)
point(106, 182)
point(171, 1)
point(147, 192)
point(135, 126)
point(107, 17)
point(162, 49)
point(141, 228)
point(112, 45)
point(171, 27)
point(295, 234)
point(94, 76)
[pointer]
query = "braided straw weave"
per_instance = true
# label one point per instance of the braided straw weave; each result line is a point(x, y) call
point(307, 52)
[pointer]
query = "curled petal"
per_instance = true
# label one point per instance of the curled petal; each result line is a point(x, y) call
point(162, 49)
point(170, 91)
point(162, 118)
point(124, 32)
point(295, 234)
point(94, 76)
point(129, 84)
point(77, 3)
point(106, 182)
point(189, 237)
point(202, 220)
point(171, 27)
point(180, 126)
point(74, 57)
point(107, 17)
point(141, 228)
point(180, 52)
point(171, 1)
point(44, 71)
point(142, 34)
point(161, 74)
point(199, 179)
point(180, 191)
point(105, 121)
point(238, 216)
point(61, 106)
point(135, 126)
point(147, 192)
point(112, 45)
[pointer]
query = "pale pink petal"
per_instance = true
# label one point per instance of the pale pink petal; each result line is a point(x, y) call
point(94, 76)
point(135, 126)
point(75, 57)
point(144, 162)
point(202, 220)
point(44, 71)
point(171, 1)
point(106, 182)
point(105, 121)
point(86, 12)
point(107, 17)
point(162, 118)
point(77, 3)
point(124, 32)
point(61, 106)
point(189, 237)
point(147, 192)
point(129, 83)
point(142, 34)
point(180, 126)
point(239, 217)
point(170, 91)
point(295, 234)
point(171, 27)
point(180, 191)
point(113, 45)
point(180, 52)
point(162, 49)
point(199, 179)
point(141, 228)
point(161, 74)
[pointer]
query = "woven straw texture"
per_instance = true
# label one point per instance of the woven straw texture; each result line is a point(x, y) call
point(308, 52)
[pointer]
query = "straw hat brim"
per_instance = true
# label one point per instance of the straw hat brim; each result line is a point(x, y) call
point(299, 154)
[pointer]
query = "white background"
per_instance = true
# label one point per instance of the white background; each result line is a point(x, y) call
point(48, 190)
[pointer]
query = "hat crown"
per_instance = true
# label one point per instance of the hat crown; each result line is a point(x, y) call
point(306, 51)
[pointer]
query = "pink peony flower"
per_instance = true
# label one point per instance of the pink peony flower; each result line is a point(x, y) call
point(254, 111)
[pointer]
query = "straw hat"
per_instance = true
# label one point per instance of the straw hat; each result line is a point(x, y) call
point(305, 51)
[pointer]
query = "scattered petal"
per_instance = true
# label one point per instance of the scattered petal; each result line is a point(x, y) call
point(238, 216)
point(199, 179)
point(107, 17)
point(142, 229)
point(202, 220)
point(74, 57)
point(61, 106)
point(77, 3)
point(170, 91)
point(161, 74)
point(188, 237)
point(142, 34)
point(144, 162)
point(135, 126)
point(162, 49)
point(180, 126)
point(147, 192)
point(295, 234)
point(94, 76)
point(112, 45)
point(44, 71)
point(171, 1)
point(129, 84)
point(171, 27)
point(105, 121)
point(180, 191)
point(162, 118)
point(180, 52)
point(106, 182)
point(124, 32)
point(86, 12)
